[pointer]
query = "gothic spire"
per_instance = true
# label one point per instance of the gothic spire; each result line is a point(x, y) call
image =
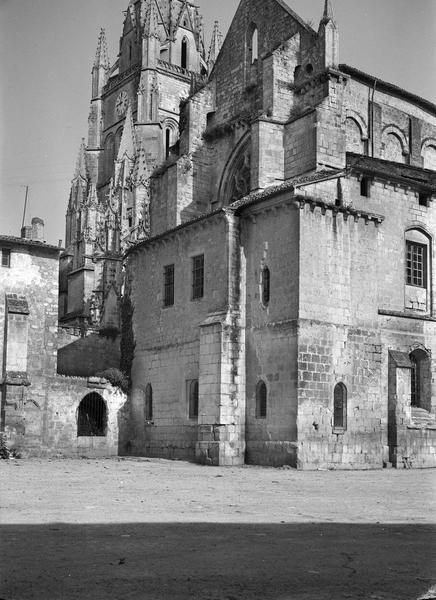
point(151, 25)
point(81, 168)
point(329, 37)
point(328, 12)
point(101, 55)
point(215, 46)
point(128, 142)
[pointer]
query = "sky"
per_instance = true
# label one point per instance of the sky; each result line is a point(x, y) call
point(47, 48)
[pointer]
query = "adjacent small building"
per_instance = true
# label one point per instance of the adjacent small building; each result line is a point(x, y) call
point(44, 412)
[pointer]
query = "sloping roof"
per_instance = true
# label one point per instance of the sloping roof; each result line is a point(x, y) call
point(10, 240)
point(287, 185)
point(390, 88)
point(249, 200)
point(400, 359)
point(294, 15)
point(423, 179)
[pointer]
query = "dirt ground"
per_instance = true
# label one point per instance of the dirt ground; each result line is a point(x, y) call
point(135, 529)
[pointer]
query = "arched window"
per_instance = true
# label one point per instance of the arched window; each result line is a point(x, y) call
point(265, 286)
point(92, 416)
point(393, 148)
point(167, 141)
point(261, 400)
point(354, 135)
point(193, 398)
point(254, 45)
point(148, 403)
point(420, 379)
point(236, 179)
point(340, 407)
point(429, 157)
point(184, 54)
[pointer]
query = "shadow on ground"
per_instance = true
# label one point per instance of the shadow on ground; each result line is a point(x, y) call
point(216, 561)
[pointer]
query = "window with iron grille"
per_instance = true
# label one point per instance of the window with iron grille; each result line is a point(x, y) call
point(198, 276)
point(416, 264)
point(6, 257)
point(169, 285)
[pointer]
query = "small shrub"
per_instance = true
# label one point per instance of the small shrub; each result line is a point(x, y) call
point(116, 378)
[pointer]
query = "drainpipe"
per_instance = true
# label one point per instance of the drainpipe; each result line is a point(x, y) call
point(372, 117)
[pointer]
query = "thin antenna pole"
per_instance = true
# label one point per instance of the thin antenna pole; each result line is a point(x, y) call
point(25, 206)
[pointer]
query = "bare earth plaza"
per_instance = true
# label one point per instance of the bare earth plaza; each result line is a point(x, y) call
point(222, 384)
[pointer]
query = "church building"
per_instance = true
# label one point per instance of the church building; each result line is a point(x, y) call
point(263, 219)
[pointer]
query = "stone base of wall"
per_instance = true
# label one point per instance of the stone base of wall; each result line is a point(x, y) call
point(417, 449)
point(223, 454)
point(169, 452)
point(272, 454)
point(335, 456)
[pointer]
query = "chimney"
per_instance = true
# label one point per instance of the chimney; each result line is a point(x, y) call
point(26, 232)
point(37, 229)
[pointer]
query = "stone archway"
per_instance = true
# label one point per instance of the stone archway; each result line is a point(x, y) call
point(92, 416)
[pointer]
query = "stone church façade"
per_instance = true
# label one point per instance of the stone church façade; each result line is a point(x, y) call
point(267, 214)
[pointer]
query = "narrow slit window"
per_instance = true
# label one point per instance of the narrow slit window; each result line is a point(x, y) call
point(414, 382)
point(261, 400)
point(193, 399)
point(184, 54)
point(167, 142)
point(148, 402)
point(254, 45)
point(169, 285)
point(266, 279)
point(198, 277)
point(340, 407)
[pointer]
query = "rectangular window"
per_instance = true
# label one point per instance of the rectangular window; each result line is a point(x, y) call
point(198, 276)
point(6, 258)
point(169, 285)
point(416, 265)
point(364, 187)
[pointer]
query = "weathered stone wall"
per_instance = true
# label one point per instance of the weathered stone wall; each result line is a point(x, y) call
point(270, 238)
point(395, 120)
point(239, 83)
point(167, 339)
point(349, 271)
point(39, 409)
point(33, 273)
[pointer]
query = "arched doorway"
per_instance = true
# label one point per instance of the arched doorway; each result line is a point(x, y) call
point(92, 416)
